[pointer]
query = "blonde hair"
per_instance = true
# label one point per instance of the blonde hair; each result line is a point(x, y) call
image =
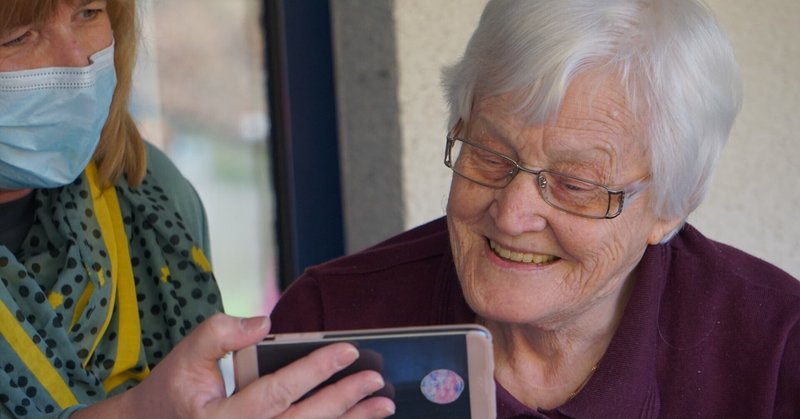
point(121, 150)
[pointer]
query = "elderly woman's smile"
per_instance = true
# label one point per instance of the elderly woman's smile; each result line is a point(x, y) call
point(523, 257)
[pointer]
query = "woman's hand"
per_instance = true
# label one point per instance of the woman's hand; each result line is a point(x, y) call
point(188, 383)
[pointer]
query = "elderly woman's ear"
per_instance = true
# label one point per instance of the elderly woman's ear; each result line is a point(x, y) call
point(664, 228)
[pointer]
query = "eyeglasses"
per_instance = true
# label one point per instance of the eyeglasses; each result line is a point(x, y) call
point(574, 195)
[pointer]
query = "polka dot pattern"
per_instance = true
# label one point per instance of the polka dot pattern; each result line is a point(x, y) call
point(58, 286)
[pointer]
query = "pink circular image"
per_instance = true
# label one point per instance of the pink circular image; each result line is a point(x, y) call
point(442, 386)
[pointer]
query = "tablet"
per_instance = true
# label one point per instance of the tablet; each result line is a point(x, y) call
point(430, 372)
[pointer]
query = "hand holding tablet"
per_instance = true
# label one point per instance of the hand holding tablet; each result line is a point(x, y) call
point(432, 371)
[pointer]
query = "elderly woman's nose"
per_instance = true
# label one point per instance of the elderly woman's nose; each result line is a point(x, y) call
point(519, 207)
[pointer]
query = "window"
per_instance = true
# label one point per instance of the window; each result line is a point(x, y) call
point(199, 96)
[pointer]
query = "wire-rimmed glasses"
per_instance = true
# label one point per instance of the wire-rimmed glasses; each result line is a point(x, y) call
point(568, 193)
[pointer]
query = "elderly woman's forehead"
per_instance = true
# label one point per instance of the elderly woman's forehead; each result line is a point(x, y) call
point(602, 98)
point(596, 97)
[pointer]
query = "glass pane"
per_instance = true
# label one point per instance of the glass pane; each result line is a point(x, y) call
point(199, 96)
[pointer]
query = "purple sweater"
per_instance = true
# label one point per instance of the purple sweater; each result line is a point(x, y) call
point(709, 331)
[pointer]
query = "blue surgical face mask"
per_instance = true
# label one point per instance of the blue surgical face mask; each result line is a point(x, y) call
point(51, 119)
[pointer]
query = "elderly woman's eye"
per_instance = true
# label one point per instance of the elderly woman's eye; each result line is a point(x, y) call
point(577, 186)
point(572, 186)
point(493, 162)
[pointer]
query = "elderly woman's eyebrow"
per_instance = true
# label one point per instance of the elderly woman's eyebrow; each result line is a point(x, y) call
point(496, 128)
point(580, 149)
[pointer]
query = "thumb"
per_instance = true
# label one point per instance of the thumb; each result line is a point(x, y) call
point(220, 334)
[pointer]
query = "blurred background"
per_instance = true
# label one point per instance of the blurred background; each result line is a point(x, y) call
point(200, 97)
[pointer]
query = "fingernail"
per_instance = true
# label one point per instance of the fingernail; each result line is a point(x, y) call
point(346, 357)
point(252, 324)
point(375, 384)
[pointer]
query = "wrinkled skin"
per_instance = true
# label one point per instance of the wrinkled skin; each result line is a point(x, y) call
point(552, 320)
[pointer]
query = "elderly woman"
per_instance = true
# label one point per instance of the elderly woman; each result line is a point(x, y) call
point(102, 246)
point(583, 134)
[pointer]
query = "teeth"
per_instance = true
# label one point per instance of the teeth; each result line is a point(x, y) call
point(521, 257)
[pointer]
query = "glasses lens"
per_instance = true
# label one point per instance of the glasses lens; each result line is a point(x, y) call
point(574, 195)
point(571, 194)
point(480, 165)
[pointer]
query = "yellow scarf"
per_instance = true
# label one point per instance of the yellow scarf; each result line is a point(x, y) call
point(74, 328)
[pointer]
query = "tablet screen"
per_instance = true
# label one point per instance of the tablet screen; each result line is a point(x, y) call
point(426, 376)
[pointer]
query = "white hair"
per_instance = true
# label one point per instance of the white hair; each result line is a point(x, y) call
point(676, 65)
